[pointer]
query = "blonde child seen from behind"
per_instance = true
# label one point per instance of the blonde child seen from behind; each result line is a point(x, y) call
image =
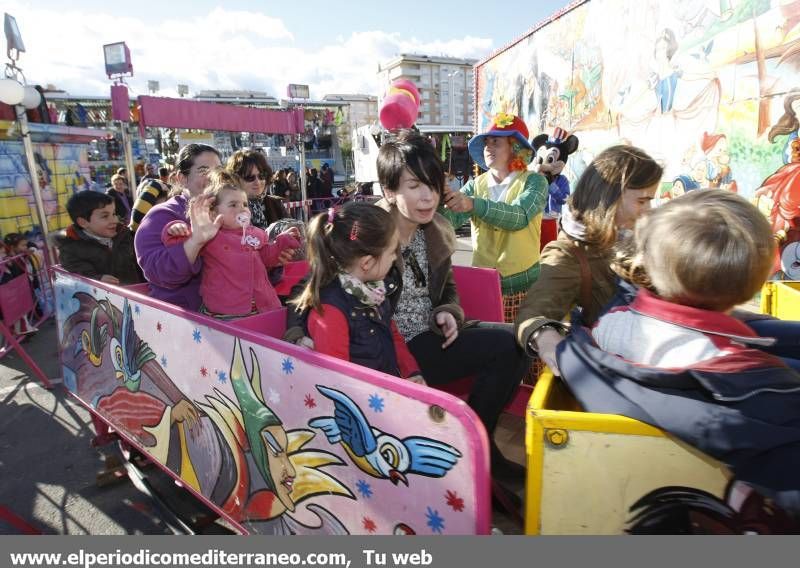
point(702, 254)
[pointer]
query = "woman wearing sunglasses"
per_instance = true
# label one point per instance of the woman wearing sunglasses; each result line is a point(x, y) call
point(252, 167)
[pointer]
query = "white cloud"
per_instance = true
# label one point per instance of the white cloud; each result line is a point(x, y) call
point(223, 49)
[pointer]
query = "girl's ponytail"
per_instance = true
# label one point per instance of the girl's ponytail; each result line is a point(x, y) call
point(323, 264)
point(339, 237)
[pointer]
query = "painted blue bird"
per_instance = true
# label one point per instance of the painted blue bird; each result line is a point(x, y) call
point(378, 453)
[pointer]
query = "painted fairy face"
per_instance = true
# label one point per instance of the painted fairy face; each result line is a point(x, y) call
point(719, 153)
point(280, 467)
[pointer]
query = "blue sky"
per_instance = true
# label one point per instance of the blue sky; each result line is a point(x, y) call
point(332, 46)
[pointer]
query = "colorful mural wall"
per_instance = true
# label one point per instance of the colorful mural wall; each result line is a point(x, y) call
point(695, 83)
point(709, 87)
point(62, 169)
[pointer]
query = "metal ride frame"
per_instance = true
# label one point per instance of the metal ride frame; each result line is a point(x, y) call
point(17, 302)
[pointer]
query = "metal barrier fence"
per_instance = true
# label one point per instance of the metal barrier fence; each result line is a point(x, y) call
point(26, 300)
point(16, 292)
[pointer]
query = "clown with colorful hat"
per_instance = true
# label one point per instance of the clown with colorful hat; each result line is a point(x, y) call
point(505, 206)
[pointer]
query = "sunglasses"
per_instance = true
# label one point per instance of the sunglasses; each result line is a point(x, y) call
point(411, 261)
point(250, 178)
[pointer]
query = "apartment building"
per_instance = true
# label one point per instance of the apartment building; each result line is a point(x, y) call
point(446, 86)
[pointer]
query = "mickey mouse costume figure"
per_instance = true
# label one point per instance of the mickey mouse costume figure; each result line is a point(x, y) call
point(551, 157)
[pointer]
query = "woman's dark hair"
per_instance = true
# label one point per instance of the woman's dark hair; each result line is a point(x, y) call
point(409, 149)
point(189, 153)
point(337, 238)
point(185, 161)
point(242, 161)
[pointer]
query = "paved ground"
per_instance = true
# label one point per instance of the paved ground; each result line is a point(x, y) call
point(463, 254)
point(47, 466)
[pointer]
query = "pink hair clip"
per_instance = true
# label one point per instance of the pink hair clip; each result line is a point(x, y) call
point(354, 232)
point(331, 215)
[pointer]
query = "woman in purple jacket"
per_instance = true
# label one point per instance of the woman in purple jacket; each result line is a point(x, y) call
point(173, 272)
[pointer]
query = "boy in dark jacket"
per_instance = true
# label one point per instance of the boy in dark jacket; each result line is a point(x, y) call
point(96, 245)
point(674, 358)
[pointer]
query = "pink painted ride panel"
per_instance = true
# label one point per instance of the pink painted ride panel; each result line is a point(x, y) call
point(16, 299)
point(277, 438)
point(271, 323)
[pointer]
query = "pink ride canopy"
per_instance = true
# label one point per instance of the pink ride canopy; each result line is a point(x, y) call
point(179, 113)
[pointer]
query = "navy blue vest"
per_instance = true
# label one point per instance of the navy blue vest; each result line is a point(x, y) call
point(371, 342)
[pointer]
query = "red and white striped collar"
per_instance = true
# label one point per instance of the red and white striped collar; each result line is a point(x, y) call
point(706, 321)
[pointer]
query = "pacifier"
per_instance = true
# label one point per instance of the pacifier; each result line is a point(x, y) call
point(243, 219)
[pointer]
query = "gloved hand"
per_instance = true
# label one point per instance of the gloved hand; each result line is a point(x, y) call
point(545, 345)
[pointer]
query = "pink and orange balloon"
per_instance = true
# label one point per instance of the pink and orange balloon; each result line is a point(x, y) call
point(401, 105)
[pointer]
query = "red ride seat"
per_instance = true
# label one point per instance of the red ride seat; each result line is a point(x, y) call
point(293, 272)
point(549, 232)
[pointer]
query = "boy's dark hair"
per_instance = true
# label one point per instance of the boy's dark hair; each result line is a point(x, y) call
point(411, 150)
point(163, 172)
point(84, 202)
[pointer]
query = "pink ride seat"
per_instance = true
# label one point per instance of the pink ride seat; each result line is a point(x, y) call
point(271, 323)
point(481, 299)
point(16, 302)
